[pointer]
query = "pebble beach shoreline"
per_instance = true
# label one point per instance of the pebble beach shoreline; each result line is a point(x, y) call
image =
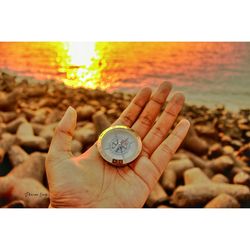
point(211, 169)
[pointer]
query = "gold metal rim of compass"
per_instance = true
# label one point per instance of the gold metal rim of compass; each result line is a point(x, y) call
point(110, 160)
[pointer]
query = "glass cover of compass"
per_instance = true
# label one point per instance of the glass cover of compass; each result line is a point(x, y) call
point(119, 145)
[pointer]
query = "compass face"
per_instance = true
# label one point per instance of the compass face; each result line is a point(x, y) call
point(119, 145)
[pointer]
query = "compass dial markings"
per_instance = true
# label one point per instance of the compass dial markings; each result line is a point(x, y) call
point(119, 145)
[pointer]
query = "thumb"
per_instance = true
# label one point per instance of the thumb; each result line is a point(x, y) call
point(60, 147)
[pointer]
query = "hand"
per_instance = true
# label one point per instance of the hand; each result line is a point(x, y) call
point(89, 181)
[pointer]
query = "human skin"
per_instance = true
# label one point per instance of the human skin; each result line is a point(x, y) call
point(89, 181)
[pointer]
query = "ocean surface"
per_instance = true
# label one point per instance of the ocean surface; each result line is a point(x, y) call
point(208, 73)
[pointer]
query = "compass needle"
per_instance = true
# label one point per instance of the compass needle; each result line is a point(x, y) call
point(121, 145)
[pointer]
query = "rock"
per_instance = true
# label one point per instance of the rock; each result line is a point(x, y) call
point(17, 155)
point(243, 127)
point(223, 201)
point(85, 112)
point(47, 132)
point(30, 191)
point(33, 167)
point(76, 147)
point(157, 196)
point(40, 115)
point(94, 103)
point(199, 190)
point(241, 178)
point(112, 112)
point(221, 164)
point(245, 150)
point(200, 163)
point(15, 204)
point(101, 122)
point(13, 125)
point(168, 179)
point(195, 144)
point(26, 137)
point(37, 90)
point(180, 155)
point(220, 178)
point(8, 116)
point(5, 143)
point(195, 176)
point(246, 169)
point(180, 166)
point(236, 144)
point(228, 150)
point(243, 121)
point(248, 134)
point(2, 128)
point(163, 206)
point(54, 116)
point(86, 135)
point(225, 139)
point(8, 100)
point(215, 151)
point(37, 128)
point(206, 130)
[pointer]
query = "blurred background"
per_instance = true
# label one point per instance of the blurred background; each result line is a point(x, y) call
point(208, 73)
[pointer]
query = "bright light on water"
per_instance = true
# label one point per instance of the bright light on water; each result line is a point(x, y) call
point(79, 62)
point(208, 73)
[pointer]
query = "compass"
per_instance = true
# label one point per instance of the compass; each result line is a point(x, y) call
point(119, 145)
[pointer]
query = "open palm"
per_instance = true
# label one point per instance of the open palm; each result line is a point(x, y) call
point(89, 181)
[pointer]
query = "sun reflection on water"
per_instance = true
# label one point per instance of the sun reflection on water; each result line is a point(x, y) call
point(82, 64)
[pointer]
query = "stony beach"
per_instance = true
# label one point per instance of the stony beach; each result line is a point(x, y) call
point(211, 169)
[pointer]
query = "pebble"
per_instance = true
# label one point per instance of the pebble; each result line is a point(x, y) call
point(85, 112)
point(241, 178)
point(228, 150)
point(215, 151)
point(220, 178)
point(223, 201)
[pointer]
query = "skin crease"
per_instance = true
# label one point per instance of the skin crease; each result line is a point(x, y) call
point(89, 181)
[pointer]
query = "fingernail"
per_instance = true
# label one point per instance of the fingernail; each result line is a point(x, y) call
point(146, 91)
point(69, 114)
point(166, 85)
point(70, 111)
point(178, 98)
point(184, 124)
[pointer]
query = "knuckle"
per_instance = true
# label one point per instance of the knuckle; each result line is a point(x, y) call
point(158, 132)
point(170, 112)
point(166, 149)
point(139, 103)
point(63, 131)
point(177, 137)
point(49, 159)
point(146, 120)
point(146, 150)
point(127, 120)
point(157, 100)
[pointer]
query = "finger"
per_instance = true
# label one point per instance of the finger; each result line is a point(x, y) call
point(163, 154)
point(130, 114)
point(146, 170)
point(60, 147)
point(161, 128)
point(152, 109)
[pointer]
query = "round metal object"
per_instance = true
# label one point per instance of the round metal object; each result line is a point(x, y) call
point(119, 145)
